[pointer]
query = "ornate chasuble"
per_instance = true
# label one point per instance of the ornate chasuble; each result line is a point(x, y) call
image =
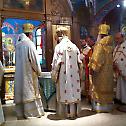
point(101, 63)
point(66, 55)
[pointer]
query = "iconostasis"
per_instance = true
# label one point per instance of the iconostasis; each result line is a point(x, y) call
point(11, 28)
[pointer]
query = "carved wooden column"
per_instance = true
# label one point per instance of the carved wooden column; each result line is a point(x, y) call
point(49, 40)
point(1, 49)
point(1, 20)
point(49, 44)
point(76, 32)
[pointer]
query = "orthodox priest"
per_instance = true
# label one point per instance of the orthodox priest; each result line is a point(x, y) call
point(26, 91)
point(65, 72)
point(101, 70)
point(119, 61)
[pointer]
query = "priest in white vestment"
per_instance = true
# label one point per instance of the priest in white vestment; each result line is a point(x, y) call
point(65, 66)
point(26, 91)
point(119, 57)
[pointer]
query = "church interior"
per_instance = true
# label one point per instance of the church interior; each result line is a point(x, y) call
point(82, 18)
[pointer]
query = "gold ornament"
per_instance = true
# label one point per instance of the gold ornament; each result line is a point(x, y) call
point(28, 27)
point(104, 29)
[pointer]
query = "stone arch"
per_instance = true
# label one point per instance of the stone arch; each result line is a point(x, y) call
point(105, 10)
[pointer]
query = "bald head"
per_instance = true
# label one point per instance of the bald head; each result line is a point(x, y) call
point(119, 38)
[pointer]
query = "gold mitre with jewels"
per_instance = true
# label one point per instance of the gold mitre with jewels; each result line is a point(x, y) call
point(61, 28)
point(104, 29)
point(62, 31)
point(28, 27)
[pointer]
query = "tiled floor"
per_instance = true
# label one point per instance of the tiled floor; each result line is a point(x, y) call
point(87, 118)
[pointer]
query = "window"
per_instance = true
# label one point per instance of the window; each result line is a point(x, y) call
point(39, 39)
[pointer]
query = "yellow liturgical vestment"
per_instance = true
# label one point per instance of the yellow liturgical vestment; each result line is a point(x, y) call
point(101, 63)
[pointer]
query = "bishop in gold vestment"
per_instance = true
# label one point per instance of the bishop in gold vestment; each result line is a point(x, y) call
point(101, 65)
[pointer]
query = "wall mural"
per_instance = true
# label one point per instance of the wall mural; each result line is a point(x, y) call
point(83, 32)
